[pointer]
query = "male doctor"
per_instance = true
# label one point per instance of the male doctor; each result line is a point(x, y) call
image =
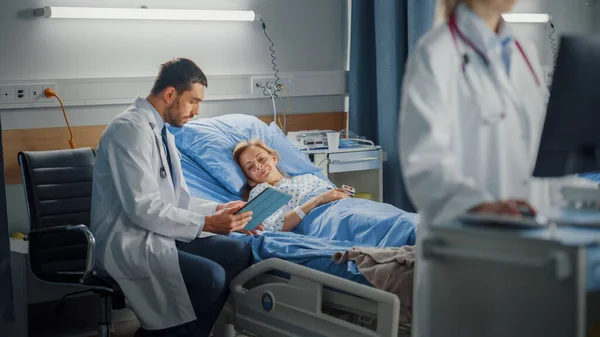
point(148, 228)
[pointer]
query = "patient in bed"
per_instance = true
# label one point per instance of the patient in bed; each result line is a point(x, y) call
point(312, 194)
point(259, 164)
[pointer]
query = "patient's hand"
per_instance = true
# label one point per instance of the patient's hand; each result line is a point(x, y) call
point(254, 231)
point(331, 195)
point(232, 204)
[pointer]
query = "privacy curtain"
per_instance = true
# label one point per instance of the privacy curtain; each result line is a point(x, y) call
point(382, 34)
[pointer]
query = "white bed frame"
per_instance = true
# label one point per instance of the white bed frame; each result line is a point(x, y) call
point(308, 303)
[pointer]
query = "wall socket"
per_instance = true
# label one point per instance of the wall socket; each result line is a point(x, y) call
point(548, 74)
point(7, 94)
point(25, 93)
point(257, 84)
point(21, 94)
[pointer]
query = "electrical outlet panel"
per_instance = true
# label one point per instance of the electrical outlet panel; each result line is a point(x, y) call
point(21, 94)
point(24, 93)
point(36, 92)
point(548, 75)
point(7, 94)
point(258, 85)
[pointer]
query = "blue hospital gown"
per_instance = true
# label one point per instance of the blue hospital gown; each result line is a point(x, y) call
point(299, 187)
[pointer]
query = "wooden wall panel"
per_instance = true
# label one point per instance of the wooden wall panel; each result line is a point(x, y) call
point(44, 139)
point(324, 121)
point(15, 141)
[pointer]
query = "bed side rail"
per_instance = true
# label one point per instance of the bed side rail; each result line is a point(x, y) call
point(294, 308)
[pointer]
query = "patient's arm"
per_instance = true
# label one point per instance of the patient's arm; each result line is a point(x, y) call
point(292, 219)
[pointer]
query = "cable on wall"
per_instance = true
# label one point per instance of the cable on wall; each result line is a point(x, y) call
point(553, 43)
point(50, 93)
point(273, 58)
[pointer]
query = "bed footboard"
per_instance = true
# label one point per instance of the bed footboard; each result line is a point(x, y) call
point(294, 306)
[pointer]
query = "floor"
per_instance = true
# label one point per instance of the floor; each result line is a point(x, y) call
point(124, 329)
point(78, 321)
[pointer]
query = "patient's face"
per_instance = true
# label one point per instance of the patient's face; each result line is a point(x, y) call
point(185, 106)
point(259, 166)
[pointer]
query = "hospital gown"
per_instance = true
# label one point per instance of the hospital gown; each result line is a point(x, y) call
point(299, 187)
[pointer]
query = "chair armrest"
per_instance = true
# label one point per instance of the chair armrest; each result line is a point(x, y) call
point(59, 246)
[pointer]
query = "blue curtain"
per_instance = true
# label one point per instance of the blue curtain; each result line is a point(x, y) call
point(383, 33)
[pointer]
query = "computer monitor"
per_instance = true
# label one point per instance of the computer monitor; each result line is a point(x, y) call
point(570, 141)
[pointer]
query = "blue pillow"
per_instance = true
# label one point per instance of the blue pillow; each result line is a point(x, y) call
point(202, 185)
point(209, 142)
point(593, 176)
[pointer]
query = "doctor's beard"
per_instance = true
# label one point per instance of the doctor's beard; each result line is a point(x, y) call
point(173, 115)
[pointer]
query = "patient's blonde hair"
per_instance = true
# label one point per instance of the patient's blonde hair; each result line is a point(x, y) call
point(245, 145)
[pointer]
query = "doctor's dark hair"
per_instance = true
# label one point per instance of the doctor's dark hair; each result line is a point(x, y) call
point(180, 73)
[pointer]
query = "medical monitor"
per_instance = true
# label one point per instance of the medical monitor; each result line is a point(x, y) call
point(570, 141)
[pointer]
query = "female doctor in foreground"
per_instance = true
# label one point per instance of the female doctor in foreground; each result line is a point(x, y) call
point(471, 117)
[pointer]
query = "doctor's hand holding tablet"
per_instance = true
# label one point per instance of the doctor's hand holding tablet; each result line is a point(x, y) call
point(225, 220)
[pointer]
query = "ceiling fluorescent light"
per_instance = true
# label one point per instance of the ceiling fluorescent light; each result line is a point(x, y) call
point(526, 17)
point(143, 14)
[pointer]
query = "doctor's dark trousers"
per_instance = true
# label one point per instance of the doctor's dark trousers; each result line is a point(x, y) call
point(207, 265)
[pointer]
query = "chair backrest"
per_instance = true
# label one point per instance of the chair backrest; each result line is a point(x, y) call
point(58, 186)
point(58, 191)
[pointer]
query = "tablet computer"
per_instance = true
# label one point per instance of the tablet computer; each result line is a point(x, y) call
point(264, 205)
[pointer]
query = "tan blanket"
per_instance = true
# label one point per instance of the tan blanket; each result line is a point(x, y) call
point(388, 269)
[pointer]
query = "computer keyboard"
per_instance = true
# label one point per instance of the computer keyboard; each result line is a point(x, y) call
point(525, 221)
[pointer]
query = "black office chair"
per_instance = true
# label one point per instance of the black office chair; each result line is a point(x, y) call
point(58, 190)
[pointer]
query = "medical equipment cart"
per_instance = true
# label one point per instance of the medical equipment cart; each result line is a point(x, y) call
point(359, 167)
point(499, 280)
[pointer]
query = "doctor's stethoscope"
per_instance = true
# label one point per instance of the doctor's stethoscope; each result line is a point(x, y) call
point(456, 33)
point(162, 171)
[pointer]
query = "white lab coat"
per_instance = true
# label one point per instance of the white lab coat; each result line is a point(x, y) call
point(136, 216)
point(451, 160)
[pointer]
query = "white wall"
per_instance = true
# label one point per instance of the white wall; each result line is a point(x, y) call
point(568, 16)
point(309, 36)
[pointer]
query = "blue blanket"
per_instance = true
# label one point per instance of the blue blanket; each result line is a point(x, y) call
point(363, 222)
point(337, 227)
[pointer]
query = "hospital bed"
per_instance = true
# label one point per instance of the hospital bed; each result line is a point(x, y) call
point(275, 297)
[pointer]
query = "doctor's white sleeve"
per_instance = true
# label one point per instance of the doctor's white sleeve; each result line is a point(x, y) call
point(204, 207)
point(430, 166)
point(130, 154)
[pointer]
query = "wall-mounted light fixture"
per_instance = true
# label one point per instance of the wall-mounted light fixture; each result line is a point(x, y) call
point(143, 14)
point(526, 17)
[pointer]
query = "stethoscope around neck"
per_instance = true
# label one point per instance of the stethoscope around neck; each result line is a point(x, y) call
point(456, 33)
point(162, 171)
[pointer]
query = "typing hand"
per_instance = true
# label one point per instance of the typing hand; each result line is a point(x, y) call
point(230, 205)
point(225, 221)
point(253, 231)
point(516, 208)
